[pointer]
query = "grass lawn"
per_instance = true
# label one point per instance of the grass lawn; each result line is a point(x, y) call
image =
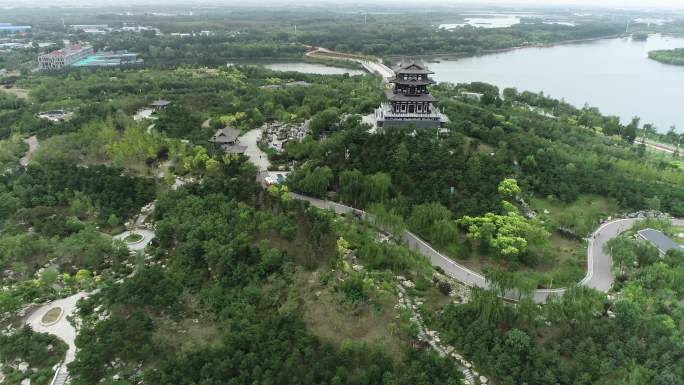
point(581, 216)
point(678, 235)
point(482, 147)
point(52, 315)
point(664, 225)
point(133, 238)
point(563, 261)
point(18, 92)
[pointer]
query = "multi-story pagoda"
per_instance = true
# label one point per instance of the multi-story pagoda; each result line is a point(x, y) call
point(409, 102)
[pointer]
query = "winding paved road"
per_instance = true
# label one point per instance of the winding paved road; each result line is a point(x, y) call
point(599, 274)
point(599, 263)
point(657, 146)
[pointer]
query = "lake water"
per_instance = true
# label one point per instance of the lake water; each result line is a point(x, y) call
point(496, 21)
point(614, 75)
point(311, 68)
point(501, 20)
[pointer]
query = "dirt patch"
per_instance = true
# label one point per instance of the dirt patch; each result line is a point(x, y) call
point(187, 334)
point(435, 300)
point(18, 92)
point(33, 144)
point(197, 330)
point(330, 319)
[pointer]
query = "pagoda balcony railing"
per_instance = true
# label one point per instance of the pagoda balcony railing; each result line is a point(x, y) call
point(386, 112)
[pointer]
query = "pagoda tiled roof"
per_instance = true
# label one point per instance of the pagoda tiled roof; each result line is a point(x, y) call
point(225, 135)
point(412, 68)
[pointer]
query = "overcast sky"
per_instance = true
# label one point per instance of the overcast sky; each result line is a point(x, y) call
point(612, 3)
point(582, 3)
point(593, 3)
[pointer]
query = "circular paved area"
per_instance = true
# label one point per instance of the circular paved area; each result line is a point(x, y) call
point(61, 328)
point(146, 235)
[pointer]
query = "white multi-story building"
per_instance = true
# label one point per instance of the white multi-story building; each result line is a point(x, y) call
point(64, 57)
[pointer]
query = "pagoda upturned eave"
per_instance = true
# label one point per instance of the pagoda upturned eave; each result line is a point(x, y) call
point(397, 97)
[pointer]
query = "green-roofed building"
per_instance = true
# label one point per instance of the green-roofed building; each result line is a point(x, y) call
point(110, 59)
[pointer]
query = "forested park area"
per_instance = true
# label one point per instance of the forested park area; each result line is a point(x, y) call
point(242, 284)
point(528, 160)
point(427, 181)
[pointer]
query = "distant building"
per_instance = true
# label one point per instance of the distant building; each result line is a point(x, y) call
point(91, 28)
point(110, 59)
point(274, 177)
point(659, 240)
point(10, 46)
point(84, 56)
point(409, 103)
point(139, 29)
point(159, 104)
point(9, 28)
point(472, 95)
point(148, 111)
point(64, 57)
point(227, 140)
point(54, 116)
point(88, 26)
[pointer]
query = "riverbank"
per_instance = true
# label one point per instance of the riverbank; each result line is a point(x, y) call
point(668, 56)
point(325, 61)
point(459, 55)
point(602, 73)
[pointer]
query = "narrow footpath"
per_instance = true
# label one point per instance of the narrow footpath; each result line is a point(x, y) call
point(33, 146)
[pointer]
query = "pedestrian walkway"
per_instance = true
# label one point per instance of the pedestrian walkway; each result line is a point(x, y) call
point(432, 337)
point(253, 152)
point(33, 146)
point(61, 328)
point(61, 376)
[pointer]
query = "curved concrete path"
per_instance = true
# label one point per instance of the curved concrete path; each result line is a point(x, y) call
point(61, 328)
point(599, 274)
point(147, 237)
